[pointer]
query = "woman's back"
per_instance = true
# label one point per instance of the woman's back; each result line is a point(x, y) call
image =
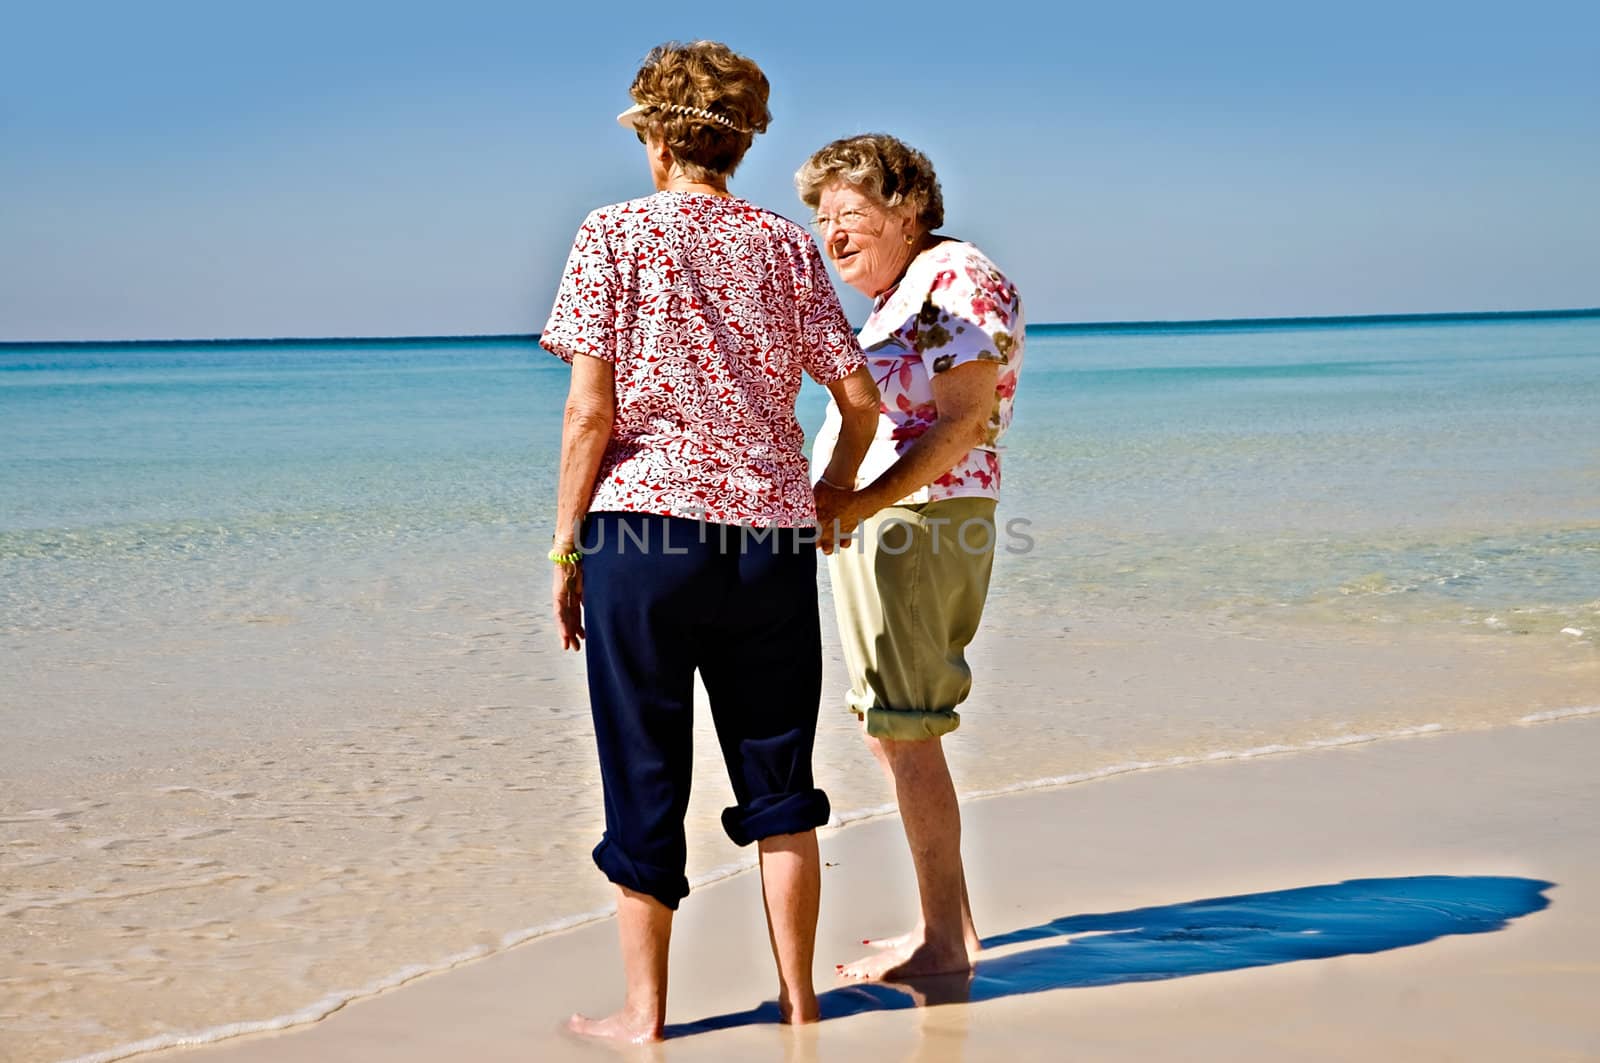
point(709, 309)
point(688, 317)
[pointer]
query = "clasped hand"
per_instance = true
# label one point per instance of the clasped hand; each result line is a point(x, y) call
point(839, 514)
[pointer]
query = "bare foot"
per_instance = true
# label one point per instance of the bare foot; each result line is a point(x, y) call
point(906, 942)
point(920, 960)
point(629, 1029)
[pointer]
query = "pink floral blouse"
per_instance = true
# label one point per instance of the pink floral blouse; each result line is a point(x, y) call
point(953, 306)
point(709, 308)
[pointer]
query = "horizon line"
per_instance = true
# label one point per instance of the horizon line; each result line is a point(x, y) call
point(1058, 326)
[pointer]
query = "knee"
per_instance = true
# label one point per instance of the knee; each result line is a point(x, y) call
point(771, 815)
point(632, 871)
point(902, 752)
point(802, 843)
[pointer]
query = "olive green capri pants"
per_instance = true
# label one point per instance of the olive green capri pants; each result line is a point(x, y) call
point(909, 593)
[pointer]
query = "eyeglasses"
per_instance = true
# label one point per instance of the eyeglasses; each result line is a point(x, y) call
point(851, 220)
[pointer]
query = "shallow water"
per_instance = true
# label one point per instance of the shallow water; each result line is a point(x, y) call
point(285, 720)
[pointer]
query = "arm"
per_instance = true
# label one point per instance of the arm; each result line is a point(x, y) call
point(857, 398)
point(964, 396)
point(586, 428)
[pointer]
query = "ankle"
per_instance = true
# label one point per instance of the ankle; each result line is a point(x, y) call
point(948, 940)
point(646, 1014)
point(798, 1008)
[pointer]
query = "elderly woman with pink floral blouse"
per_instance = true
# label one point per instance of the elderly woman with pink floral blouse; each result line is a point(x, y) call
point(686, 522)
point(944, 343)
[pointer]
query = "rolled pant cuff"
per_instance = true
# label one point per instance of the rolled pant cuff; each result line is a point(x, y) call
point(902, 725)
point(766, 817)
point(665, 886)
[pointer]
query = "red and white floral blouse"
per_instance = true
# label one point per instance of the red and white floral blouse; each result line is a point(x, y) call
point(952, 306)
point(709, 308)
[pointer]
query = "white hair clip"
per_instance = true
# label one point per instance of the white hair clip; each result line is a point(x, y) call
point(630, 118)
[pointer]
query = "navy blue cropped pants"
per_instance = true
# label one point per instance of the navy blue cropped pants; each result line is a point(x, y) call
point(663, 597)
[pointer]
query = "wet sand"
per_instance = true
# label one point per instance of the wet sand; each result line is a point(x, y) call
point(1428, 898)
point(278, 868)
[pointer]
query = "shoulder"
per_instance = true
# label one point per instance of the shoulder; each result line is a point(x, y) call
point(625, 215)
point(958, 275)
point(958, 264)
point(784, 227)
point(782, 231)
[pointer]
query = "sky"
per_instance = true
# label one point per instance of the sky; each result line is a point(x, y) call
point(200, 169)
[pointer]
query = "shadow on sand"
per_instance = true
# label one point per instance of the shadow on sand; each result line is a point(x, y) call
point(1197, 937)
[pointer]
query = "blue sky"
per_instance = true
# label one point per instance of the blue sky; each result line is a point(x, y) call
point(182, 169)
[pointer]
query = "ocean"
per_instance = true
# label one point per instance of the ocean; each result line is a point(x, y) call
point(286, 719)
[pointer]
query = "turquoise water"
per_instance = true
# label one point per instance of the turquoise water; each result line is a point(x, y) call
point(1441, 470)
point(1445, 468)
point(284, 715)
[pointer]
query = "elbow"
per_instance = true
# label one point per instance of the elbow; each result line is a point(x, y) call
point(862, 417)
point(857, 398)
point(586, 419)
point(972, 431)
point(865, 407)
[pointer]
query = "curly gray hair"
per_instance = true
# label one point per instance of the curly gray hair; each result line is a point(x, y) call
point(884, 168)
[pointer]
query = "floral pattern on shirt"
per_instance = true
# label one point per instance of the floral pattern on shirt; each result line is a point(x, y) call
point(709, 309)
point(953, 306)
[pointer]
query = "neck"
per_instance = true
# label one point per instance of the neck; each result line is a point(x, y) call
point(915, 248)
point(679, 183)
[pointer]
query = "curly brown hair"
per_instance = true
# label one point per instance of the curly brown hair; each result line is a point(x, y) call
point(711, 77)
point(884, 168)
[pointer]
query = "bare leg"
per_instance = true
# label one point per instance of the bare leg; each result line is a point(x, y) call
point(906, 941)
point(932, 821)
point(645, 926)
point(969, 933)
point(791, 889)
point(899, 941)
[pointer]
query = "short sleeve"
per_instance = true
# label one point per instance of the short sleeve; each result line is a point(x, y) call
point(967, 316)
point(583, 320)
point(829, 350)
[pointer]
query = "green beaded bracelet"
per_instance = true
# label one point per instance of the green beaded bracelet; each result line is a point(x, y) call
point(570, 558)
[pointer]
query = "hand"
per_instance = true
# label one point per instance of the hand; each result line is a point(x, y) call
point(567, 598)
point(839, 512)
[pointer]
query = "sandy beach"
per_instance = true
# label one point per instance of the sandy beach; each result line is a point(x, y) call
point(1431, 898)
point(1283, 736)
point(287, 728)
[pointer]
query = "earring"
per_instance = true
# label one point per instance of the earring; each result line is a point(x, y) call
point(910, 239)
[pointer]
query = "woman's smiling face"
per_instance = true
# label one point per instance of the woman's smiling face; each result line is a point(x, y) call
point(868, 243)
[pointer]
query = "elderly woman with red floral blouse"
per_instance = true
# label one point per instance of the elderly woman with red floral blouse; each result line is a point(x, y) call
point(685, 516)
point(944, 343)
